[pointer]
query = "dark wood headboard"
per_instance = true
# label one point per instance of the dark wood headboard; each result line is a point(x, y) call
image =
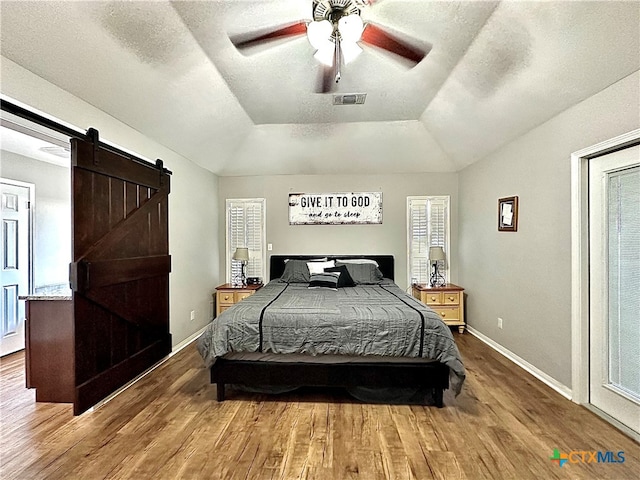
point(276, 263)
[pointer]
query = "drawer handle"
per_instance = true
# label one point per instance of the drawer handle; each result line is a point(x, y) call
point(433, 299)
point(451, 299)
point(443, 314)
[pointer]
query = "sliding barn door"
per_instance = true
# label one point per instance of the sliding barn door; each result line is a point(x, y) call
point(120, 269)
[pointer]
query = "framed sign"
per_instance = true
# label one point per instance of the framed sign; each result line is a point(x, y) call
point(335, 208)
point(508, 214)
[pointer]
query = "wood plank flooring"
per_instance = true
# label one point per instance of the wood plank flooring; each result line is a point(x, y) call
point(505, 425)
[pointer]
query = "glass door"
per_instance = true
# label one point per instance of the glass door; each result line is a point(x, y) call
point(614, 239)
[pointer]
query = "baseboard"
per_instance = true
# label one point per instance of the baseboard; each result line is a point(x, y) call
point(186, 342)
point(539, 374)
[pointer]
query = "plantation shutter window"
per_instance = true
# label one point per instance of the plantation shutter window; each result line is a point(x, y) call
point(246, 228)
point(428, 226)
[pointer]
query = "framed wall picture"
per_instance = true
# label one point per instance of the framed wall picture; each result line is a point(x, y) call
point(335, 208)
point(508, 214)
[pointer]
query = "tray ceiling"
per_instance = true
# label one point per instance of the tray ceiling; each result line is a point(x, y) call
point(169, 70)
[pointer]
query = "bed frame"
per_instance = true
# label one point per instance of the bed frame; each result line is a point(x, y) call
point(433, 375)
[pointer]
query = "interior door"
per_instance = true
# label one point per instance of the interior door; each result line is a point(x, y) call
point(120, 269)
point(614, 240)
point(14, 238)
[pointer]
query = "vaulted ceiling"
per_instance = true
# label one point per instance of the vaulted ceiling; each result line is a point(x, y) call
point(169, 70)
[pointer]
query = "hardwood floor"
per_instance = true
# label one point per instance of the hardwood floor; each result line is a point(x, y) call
point(505, 424)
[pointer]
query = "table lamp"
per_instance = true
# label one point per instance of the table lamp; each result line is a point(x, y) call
point(242, 255)
point(435, 255)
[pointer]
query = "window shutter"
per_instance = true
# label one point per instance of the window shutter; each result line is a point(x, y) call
point(428, 219)
point(254, 229)
point(438, 227)
point(418, 241)
point(246, 228)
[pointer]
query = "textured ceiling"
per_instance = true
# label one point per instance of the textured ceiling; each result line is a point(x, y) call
point(168, 69)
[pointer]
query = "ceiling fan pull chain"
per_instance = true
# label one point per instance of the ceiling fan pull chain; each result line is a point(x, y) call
point(337, 60)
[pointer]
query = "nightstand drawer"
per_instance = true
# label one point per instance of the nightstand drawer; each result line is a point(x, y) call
point(225, 298)
point(451, 298)
point(241, 295)
point(447, 301)
point(432, 298)
point(227, 295)
point(448, 313)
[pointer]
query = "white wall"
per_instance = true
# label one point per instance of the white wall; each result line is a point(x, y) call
point(525, 277)
point(193, 202)
point(388, 238)
point(52, 215)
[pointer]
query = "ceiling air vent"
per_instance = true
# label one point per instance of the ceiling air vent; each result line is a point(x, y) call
point(349, 99)
point(57, 151)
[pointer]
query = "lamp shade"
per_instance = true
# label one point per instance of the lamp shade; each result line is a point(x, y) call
point(436, 253)
point(241, 253)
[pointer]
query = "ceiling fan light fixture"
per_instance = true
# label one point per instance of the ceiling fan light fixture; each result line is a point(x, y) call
point(350, 28)
point(319, 34)
point(350, 51)
point(325, 54)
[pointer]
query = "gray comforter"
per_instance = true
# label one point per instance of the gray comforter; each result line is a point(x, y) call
point(378, 320)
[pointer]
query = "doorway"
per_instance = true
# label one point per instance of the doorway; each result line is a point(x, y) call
point(16, 260)
point(35, 233)
point(614, 287)
point(603, 269)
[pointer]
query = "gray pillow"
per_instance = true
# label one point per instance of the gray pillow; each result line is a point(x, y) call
point(295, 271)
point(363, 273)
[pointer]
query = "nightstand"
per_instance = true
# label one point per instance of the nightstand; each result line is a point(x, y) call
point(447, 301)
point(226, 295)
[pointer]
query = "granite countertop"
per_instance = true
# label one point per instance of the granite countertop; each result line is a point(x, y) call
point(45, 297)
point(49, 292)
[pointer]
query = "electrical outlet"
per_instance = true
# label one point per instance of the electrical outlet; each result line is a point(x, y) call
point(499, 322)
point(193, 315)
point(269, 246)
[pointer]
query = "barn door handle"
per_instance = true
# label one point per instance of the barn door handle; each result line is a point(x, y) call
point(79, 276)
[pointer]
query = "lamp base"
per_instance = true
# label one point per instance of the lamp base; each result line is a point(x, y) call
point(437, 280)
point(237, 279)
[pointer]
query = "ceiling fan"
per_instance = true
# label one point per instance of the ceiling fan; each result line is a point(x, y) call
point(335, 32)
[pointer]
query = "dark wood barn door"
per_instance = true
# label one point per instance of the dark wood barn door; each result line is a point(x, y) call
point(120, 269)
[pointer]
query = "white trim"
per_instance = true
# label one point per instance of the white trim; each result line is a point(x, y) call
point(539, 374)
point(580, 259)
point(185, 343)
point(608, 418)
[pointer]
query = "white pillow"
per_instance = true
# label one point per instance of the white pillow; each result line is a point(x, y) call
point(323, 259)
point(357, 260)
point(318, 267)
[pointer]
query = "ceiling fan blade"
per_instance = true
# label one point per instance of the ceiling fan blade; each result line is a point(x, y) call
point(252, 39)
point(326, 79)
point(376, 36)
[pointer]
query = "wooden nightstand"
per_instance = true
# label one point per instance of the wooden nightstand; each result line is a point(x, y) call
point(447, 301)
point(226, 295)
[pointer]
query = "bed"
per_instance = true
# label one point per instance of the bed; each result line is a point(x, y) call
point(372, 335)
